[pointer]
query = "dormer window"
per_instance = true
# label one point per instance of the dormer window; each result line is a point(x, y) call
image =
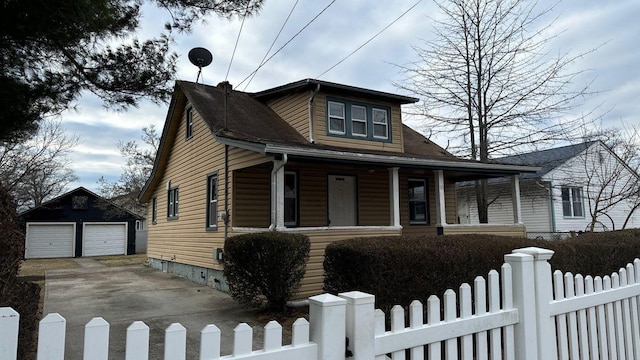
point(346, 118)
point(336, 118)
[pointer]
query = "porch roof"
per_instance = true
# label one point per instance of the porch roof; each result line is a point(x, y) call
point(458, 168)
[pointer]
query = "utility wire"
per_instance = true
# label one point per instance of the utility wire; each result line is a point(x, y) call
point(244, 16)
point(273, 43)
point(370, 39)
point(287, 43)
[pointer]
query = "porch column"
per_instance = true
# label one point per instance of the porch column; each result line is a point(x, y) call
point(515, 195)
point(277, 194)
point(394, 196)
point(441, 218)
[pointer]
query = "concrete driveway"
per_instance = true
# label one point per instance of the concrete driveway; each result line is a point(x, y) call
point(122, 295)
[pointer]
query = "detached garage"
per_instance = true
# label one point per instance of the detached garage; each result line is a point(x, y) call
point(79, 223)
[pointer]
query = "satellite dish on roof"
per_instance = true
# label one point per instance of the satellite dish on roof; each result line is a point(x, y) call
point(200, 57)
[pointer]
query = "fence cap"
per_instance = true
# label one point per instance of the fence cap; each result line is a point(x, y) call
point(536, 252)
point(327, 300)
point(358, 297)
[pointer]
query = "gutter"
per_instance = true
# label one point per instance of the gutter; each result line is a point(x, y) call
point(394, 160)
point(310, 106)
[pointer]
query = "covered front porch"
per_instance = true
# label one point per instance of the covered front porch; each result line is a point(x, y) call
point(331, 201)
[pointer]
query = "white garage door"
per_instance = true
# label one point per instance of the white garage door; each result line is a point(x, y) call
point(104, 239)
point(49, 240)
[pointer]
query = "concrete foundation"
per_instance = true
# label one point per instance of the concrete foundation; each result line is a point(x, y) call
point(199, 275)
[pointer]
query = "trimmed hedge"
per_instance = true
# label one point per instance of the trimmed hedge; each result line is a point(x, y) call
point(399, 270)
point(265, 269)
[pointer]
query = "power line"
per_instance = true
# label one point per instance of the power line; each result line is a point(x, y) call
point(287, 43)
point(273, 43)
point(370, 39)
point(244, 16)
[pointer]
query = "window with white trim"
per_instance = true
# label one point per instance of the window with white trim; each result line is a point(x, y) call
point(358, 120)
point(572, 203)
point(380, 123)
point(336, 118)
point(418, 205)
point(172, 203)
point(212, 201)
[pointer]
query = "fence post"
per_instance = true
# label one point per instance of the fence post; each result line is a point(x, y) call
point(360, 321)
point(96, 339)
point(51, 336)
point(9, 325)
point(525, 331)
point(547, 345)
point(327, 319)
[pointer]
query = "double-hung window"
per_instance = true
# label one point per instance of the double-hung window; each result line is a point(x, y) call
point(172, 203)
point(418, 209)
point(189, 125)
point(572, 204)
point(212, 201)
point(380, 123)
point(358, 120)
point(336, 118)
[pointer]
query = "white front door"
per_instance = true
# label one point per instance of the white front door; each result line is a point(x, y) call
point(342, 200)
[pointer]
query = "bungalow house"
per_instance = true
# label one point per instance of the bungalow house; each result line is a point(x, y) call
point(329, 160)
point(581, 187)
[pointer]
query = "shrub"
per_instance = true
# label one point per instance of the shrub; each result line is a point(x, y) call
point(22, 297)
point(399, 270)
point(265, 269)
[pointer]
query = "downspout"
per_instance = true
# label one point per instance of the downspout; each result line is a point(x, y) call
point(277, 165)
point(311, 113)
point(226, 89)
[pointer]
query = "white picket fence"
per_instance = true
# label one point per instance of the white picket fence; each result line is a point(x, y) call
point(523, 313)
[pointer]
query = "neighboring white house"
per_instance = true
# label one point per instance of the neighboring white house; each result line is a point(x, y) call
point(578, 188)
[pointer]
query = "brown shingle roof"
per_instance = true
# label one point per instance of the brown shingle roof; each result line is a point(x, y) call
point(247, 118)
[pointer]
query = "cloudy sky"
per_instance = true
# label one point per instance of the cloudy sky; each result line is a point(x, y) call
point(344, 26)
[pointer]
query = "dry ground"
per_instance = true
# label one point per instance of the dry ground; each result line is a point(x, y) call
point(33, 269)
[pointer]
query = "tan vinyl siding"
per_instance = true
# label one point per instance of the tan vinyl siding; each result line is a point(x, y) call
point(320, 126)
point(294, 109)
point(241, 158)
point(252, 194)
point(313, 281)
point(186, 239)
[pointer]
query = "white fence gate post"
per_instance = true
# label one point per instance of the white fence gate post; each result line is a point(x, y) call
point(51, 336)
point(327, 319)
point(9, 326)
point(525, 331)
point(546, 327)
point(360, 321)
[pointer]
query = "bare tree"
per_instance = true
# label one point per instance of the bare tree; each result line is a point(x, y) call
point(612, 181)
point(37, 170)
point(140, 159)
point(487, 78)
